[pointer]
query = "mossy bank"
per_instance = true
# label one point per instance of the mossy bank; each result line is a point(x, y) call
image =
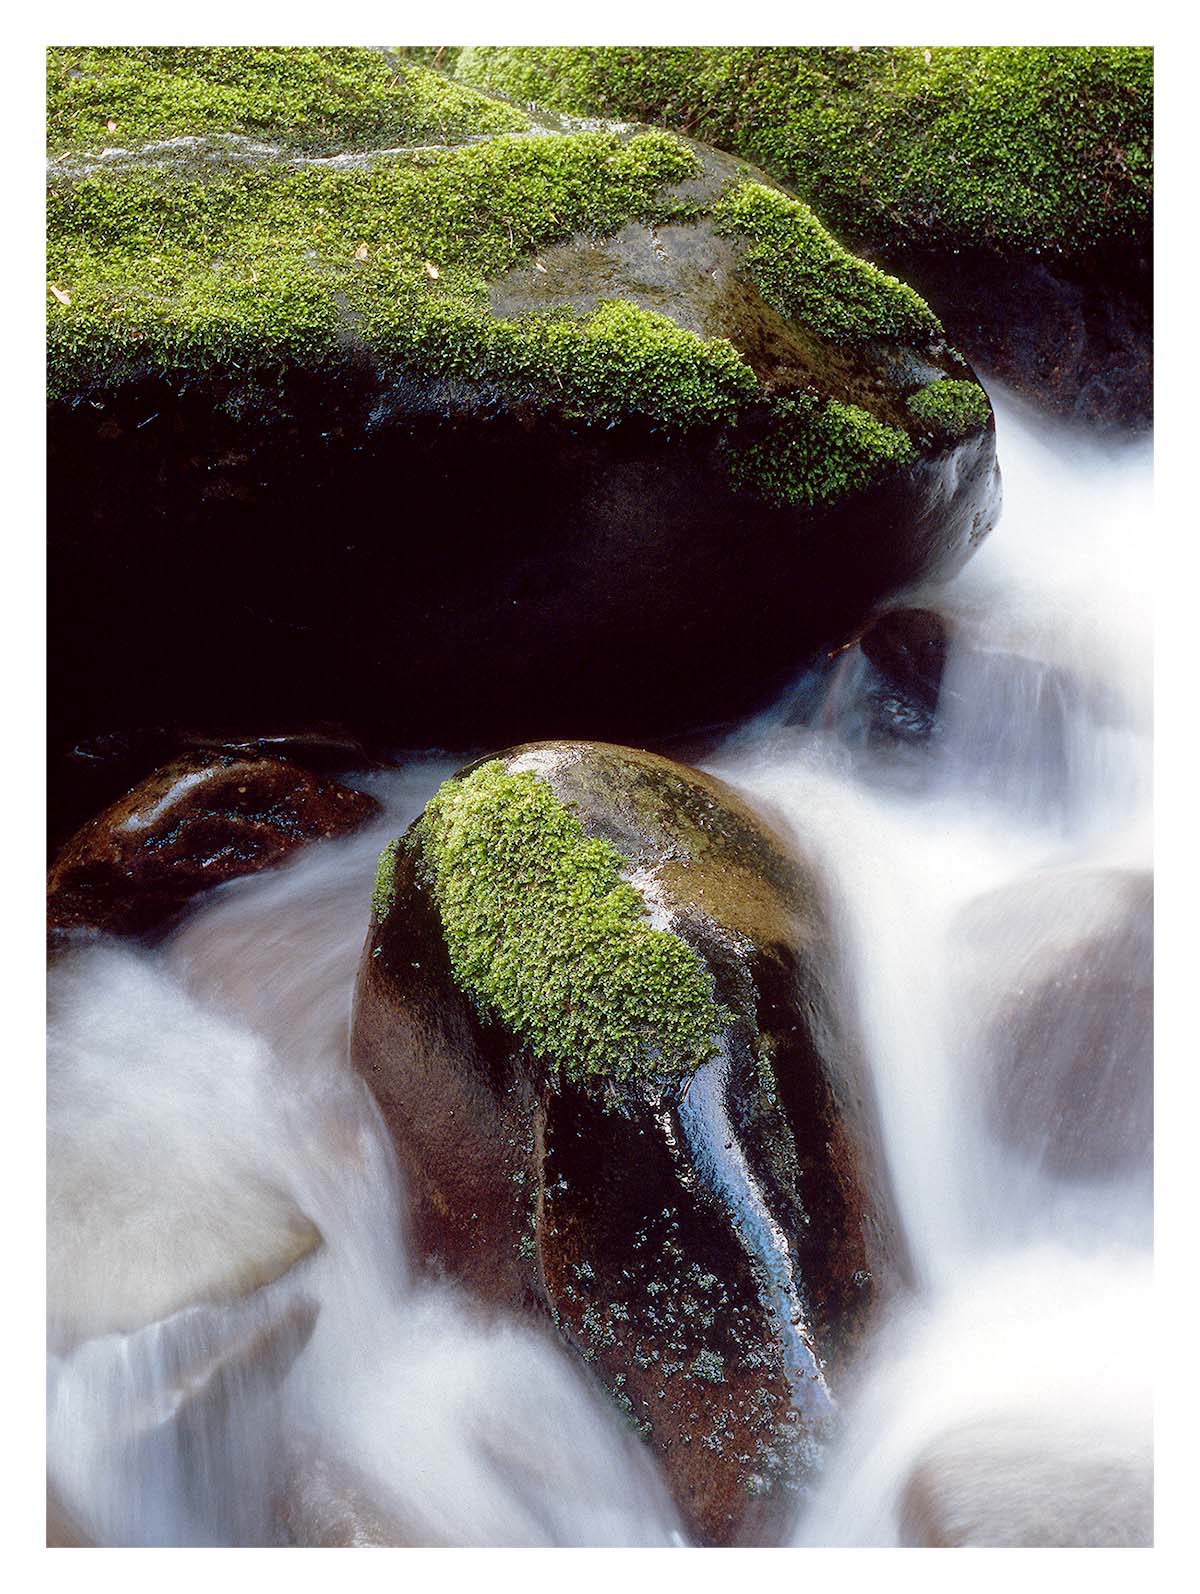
point(1007, 182)
point(598, 998)
point(437, 388)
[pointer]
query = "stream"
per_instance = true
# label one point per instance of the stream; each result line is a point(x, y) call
point(201, 1107)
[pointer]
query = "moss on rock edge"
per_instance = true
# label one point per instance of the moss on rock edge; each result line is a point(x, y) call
point(950, 408)
point(383, 896)
point(807, 275)
point(818, 452)
point(543, 932)
point(179, 264)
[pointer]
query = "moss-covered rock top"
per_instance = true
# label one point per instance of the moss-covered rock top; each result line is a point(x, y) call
point(327, 99)
point(1047, 148)
point(151, 270)
point(248, 261)
point(544, 933)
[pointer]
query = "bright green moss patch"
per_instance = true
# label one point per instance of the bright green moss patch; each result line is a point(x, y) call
point(816, 452)
point(951, 409)
point(1036, 147)
point(384, 893)
point(617, 361)
point(809, 277)
point(543, 933)
point(312, 99)
point(255, 268)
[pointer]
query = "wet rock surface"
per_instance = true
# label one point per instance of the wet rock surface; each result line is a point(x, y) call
point(197, 822)
point(326, 1505)
point(1064, 965)
point(710, 1245)
point(1014, 1482)
point(99, 770)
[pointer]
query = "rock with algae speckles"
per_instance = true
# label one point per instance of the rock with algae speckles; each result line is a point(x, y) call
point(598, 1012)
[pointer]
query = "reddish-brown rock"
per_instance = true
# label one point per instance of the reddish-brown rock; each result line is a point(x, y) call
point(201, 820)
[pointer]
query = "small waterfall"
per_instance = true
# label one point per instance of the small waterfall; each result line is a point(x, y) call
point(240, 1352)
point(1007, 859)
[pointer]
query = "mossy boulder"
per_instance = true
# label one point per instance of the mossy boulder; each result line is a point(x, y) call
point(480, 423)
point(1011, 185)
point(195, 823)
point(598, 1008)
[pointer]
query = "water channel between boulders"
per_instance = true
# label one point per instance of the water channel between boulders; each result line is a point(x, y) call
point(981, 868)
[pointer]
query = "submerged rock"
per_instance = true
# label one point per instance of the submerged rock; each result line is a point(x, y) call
point(597, 1008)
point(169, 1164)
point(185, 1410)
point(925, 698)
point(1012, 1481)
point(202, 820)
point(1061, 972)
point(1011, 186)
point(325, 1504)
point(592, 428)
point(63, 1529)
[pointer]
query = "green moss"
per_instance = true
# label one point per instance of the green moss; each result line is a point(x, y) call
point(1032, 147)
point(255, 269)
point(312, 99)
point(807, 275)
point(543, 933)
point(951, 409)
point(384, 894)
point(815, 453)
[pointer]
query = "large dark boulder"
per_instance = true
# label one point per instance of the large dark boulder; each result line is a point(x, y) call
point(598, 1008)
point(587, 432)
point(194, 824)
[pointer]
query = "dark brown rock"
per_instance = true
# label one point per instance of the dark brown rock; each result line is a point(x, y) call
point(1074, 336)
point(908, 646)
point(1062, 967)
point(199, 821)
point(711, 1246)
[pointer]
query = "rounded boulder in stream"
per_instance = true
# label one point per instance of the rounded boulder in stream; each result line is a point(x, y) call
point(597, 1007)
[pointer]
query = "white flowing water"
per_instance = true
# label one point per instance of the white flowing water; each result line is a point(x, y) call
point(238, 1351)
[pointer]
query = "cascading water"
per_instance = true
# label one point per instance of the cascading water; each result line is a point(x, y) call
point(238, 1353)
